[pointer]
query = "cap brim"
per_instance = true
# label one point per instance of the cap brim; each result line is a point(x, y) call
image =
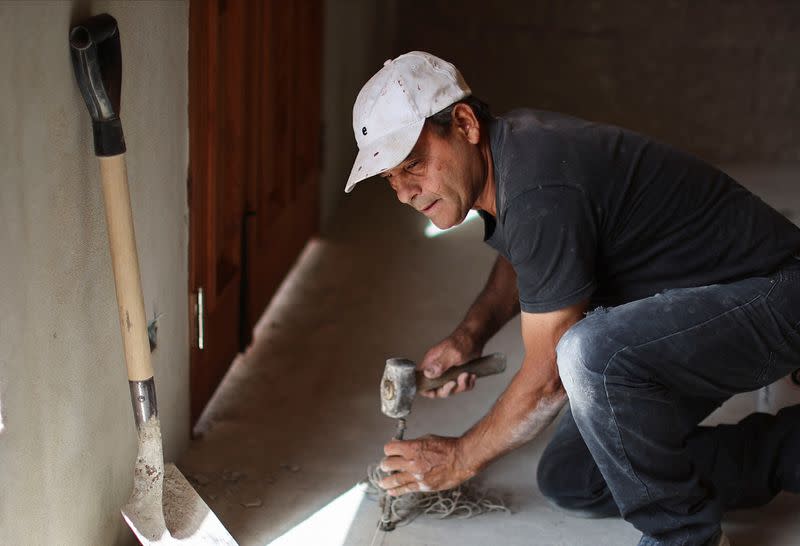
point(384, 154)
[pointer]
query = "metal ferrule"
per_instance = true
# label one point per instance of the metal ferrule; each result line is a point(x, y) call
point(143, 398)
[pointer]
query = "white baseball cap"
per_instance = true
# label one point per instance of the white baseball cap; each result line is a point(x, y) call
point(392, 106)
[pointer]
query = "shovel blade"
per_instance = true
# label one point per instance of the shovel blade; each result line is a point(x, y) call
point(182, 516)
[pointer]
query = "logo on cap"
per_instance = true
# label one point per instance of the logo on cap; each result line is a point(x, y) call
point(364, 131)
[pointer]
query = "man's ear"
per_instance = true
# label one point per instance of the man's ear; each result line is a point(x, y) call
point(465, 121)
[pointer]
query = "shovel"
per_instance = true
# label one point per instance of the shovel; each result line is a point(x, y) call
point(163, 507)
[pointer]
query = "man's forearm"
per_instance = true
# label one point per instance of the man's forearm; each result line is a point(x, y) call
point(531, 401)
point(529, 404)
point(497, 303)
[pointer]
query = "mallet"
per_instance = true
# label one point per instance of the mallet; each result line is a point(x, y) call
point(401, 380)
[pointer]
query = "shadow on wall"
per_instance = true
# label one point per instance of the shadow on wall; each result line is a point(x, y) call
point(81, 9)
point(719, 79)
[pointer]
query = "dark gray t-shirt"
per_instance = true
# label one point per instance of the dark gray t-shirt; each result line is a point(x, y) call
point(591, 211)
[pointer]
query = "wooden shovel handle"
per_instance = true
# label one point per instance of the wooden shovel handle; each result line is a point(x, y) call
point(483, 366)
point(125, 261)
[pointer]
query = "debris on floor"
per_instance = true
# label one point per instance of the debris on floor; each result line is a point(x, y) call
point(232, 476)
point(252, 503)
point(199, 479)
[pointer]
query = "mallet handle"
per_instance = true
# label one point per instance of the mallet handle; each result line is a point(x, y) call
point(483, 366)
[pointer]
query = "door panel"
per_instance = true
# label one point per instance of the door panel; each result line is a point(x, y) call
point(283, 200)
point(216, 187)
point(254, 129)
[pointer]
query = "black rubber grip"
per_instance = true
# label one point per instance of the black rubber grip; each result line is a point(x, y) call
point(97, 62)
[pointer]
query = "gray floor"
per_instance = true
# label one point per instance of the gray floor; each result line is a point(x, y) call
point(297, 419)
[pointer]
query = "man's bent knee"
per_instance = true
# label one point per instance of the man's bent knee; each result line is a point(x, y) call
point(582, 355)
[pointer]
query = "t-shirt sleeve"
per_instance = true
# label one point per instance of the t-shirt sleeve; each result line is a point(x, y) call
point(551, 239)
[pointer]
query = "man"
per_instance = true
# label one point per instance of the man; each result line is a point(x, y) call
point(652, 287)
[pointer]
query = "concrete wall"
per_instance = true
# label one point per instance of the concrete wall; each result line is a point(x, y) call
point(68, 441)
point(358, 37)
point(719, 78)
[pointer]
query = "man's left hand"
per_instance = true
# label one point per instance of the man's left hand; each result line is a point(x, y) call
point(430, 463)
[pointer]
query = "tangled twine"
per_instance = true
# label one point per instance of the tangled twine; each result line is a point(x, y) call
point(463, 501)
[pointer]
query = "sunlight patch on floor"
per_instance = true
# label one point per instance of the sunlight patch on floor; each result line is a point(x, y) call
point(433, 231)
point(329, 526)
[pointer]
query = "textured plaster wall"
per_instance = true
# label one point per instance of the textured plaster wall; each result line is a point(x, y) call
point(68, 444)
point(719, 78)
point(357, 39)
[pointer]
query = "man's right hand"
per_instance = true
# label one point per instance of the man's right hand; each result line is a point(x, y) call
point(497, 303)
point(454, 350)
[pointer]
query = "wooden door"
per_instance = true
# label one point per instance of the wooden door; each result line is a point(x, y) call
point(282, 199)
point(254, 119)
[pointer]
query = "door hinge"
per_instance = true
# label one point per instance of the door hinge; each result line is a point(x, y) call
point(199, 313)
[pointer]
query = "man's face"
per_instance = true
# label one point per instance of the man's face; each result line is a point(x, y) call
point(442, 177)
